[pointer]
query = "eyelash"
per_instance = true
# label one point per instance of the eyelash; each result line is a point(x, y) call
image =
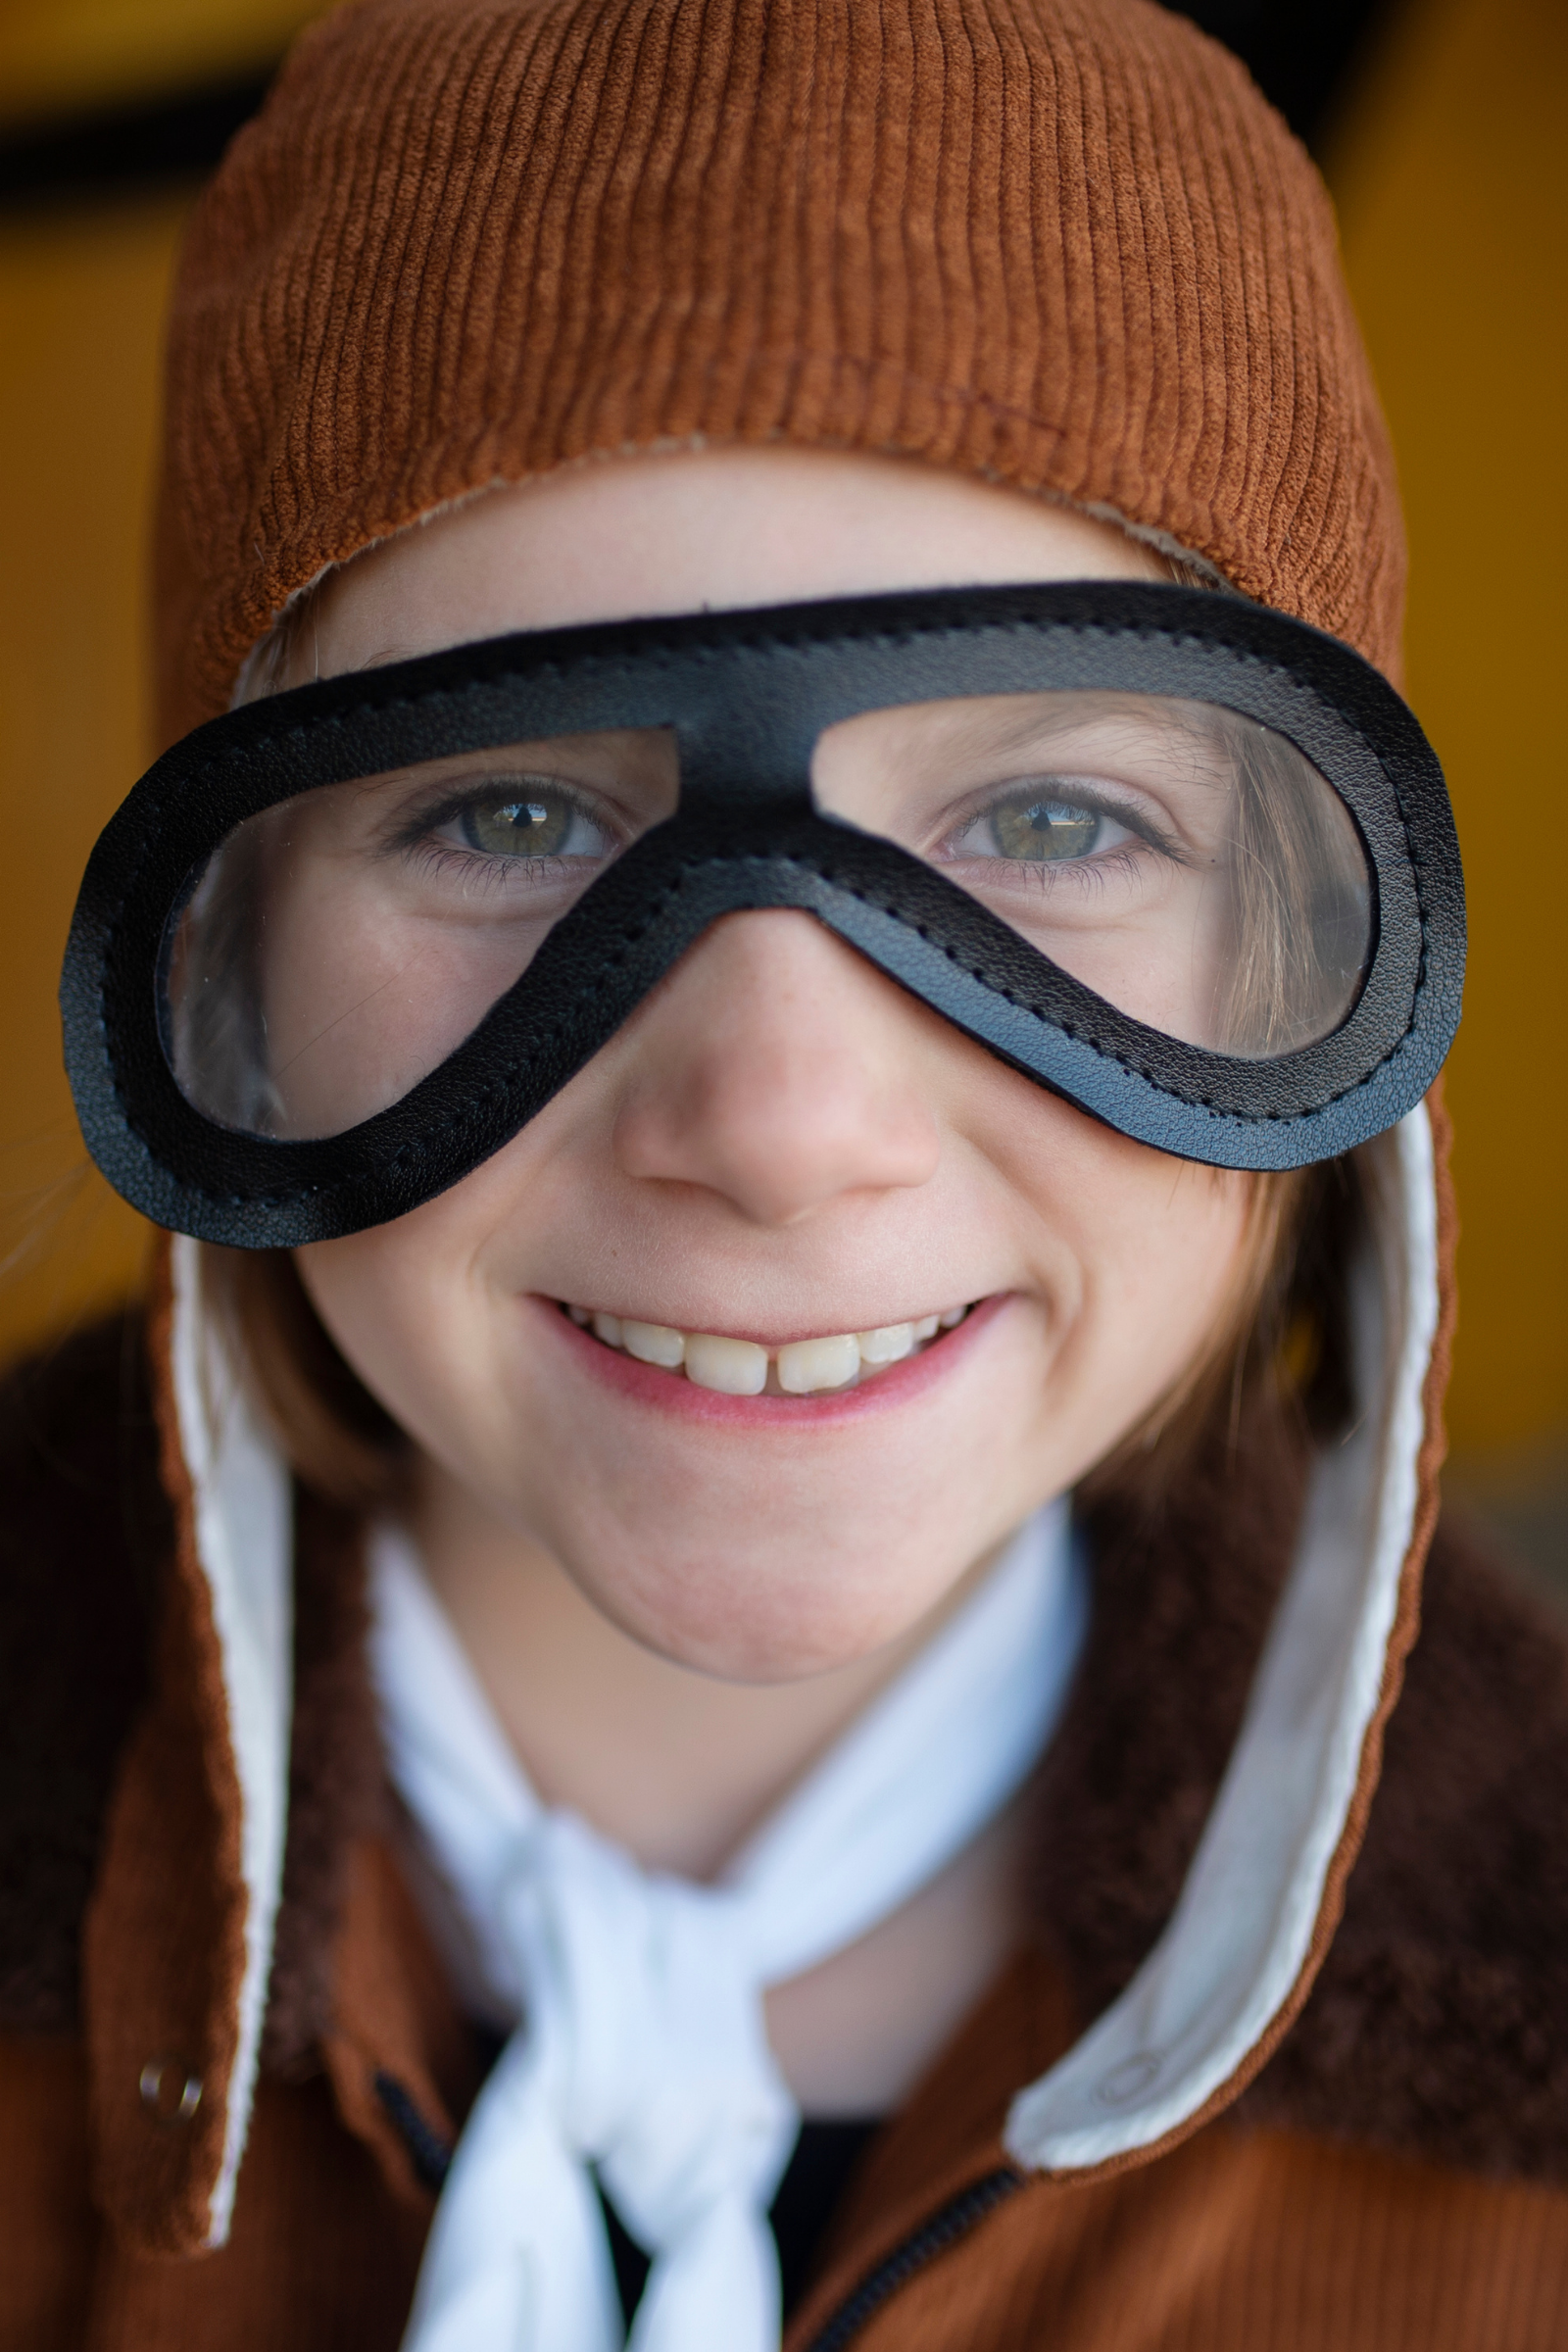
point(1092, 873)
point(440, 858)
point(417, 841)
point(1092, 870)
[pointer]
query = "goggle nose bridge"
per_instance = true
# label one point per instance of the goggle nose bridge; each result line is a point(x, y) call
point(750, 747)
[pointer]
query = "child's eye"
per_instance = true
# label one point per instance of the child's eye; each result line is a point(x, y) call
point(1037, 826)
point(536, 820)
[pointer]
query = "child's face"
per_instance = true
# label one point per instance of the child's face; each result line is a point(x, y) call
point(780, 1145)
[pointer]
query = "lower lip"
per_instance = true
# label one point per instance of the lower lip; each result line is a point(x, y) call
point(673, 1392)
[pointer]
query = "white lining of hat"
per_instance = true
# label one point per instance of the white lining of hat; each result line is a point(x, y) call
point(244, 1538)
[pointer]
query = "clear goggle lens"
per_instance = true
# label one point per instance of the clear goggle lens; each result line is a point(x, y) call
point(1184, 863)
point(1188, 864)
point(339, 947)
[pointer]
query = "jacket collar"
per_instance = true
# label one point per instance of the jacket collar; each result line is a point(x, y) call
point(1200, 2015)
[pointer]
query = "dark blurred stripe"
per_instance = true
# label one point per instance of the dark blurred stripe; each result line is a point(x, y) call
point(1302, 54)
point(126, 150)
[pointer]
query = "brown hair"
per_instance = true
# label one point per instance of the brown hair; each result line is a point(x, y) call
point(1282, 1339)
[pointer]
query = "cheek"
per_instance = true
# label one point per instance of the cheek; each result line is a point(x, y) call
point(425, 1309)
point(1161, 1254)
point(413, 1304)
point(400, 1302)
point(1136, 1258)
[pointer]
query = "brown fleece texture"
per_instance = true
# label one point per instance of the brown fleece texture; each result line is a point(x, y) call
point(1184, 1589)
point(1433, 2036)
point(1437, 2024)
point(1057, 244)
point(84, 1535)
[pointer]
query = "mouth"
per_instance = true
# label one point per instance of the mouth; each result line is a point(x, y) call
point(829, 1365)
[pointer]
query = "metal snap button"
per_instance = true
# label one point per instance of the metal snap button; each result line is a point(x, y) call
point(169, 2094)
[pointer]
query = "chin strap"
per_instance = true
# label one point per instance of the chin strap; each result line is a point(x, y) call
point(643, 2054)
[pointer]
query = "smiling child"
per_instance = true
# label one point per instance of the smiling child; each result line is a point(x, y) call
point(718, 1662)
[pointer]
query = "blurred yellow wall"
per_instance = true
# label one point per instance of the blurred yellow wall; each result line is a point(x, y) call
point(1454, 201)
point(56, 55)
point(1452, 177)
point(80, 298)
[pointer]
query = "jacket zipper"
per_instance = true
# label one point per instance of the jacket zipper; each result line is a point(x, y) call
point(432, 2160)
point(934, 2235)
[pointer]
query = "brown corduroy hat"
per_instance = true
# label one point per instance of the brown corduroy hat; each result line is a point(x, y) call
point(1059, 244)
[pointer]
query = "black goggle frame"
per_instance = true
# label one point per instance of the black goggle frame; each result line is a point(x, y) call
point(747, 695)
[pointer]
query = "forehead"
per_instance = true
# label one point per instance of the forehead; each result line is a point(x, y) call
point(689, 531)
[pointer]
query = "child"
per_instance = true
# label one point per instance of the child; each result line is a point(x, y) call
point(720, 1657)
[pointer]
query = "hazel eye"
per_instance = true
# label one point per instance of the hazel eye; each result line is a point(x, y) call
point(1035, 828)
point(534, 823)
point(1044, 830)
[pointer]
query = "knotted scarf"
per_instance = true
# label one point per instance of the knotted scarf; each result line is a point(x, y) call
point(641, 2057)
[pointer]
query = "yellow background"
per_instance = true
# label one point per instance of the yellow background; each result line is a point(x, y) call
point(1454, 198)
point(59, 56)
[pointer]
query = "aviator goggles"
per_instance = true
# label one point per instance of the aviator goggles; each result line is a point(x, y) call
point(1184, 862)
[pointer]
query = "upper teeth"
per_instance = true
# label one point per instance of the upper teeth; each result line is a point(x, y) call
point(740, 1367)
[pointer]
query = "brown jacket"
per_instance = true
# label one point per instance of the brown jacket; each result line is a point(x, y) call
point(1388, 2168)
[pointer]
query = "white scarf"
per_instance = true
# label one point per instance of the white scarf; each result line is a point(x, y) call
point(644, 2053)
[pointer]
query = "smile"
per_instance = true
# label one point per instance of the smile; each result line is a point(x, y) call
point(745, 1368)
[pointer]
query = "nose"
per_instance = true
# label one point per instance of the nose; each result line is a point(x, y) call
point(777, 1069)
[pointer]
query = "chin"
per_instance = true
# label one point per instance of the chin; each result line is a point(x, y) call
point(743, 1620)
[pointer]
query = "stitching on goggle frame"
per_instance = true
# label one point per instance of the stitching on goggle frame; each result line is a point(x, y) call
point(657, 657)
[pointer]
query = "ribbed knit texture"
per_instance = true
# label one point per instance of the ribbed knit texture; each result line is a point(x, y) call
point(1061, 244)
